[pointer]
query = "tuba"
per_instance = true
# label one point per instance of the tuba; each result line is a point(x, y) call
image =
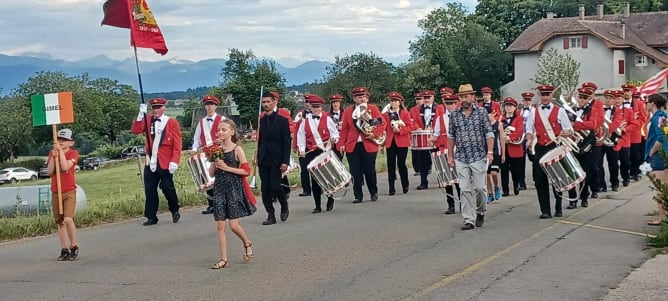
point(510, 129)
point(583, 140)
point(366, 124)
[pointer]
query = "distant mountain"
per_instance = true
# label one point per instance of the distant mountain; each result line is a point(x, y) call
point(161, 76)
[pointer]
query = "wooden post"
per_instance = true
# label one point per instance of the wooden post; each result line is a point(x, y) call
point(57, 163)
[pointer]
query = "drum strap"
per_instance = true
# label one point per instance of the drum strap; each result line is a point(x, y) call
point(547, 125)
point(316, 135)
point(206, 130)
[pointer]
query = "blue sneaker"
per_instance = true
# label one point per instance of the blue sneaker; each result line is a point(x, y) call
point(490, 199)
point(497, 193)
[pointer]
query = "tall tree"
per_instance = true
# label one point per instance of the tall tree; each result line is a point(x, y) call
point(415, 77)
point(508, 18)
point(360, 69)
point(560, 70)
point(16, 129)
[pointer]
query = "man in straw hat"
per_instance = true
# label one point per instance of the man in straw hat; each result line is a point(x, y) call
point(471, 133)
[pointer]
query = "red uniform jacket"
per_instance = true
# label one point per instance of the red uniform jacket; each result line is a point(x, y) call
point(514, 150)
point(414, 111)
point(592, 119)
point(541, 131)
point(214, 129)
point(323, 130)
point(349, 132)
point(623, 114)
point(640, 115)
point(442, 139)
point(403, 137)
point(169, 149)
point(418, 114)
point(496, 107)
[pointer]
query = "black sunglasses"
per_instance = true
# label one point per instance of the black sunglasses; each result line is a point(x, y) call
point(155, 107)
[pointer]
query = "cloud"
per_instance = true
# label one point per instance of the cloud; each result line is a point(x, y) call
point(202, 29)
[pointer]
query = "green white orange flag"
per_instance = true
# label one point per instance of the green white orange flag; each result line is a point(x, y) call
point(53, 108)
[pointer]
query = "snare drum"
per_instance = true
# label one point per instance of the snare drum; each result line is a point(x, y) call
point(329, 172)
point(445, 175)
point(562, 168)
point(199, 170)
point(421, 140)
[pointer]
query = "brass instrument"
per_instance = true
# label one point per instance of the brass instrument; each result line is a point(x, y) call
point(510, 129)
point(583, 140)
point(385, 109)
point(397, 124)
point(608, 139)
point(366, 124)
point(298, 117)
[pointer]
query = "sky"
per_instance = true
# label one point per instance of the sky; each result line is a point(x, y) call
point(287, 31)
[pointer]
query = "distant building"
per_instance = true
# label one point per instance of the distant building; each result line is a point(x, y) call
point(612, 49)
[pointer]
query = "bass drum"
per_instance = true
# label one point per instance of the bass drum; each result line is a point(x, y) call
point(329, 172)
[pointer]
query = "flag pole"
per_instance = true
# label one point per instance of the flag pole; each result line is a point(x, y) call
point(146, 124)
point(57, 163)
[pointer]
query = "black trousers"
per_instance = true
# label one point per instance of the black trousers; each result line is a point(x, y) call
point(304, 175)
point(636, 159)
point(450, 192)
point(624, 163)
point(209, 197)
point(396, 157)
point(270, 176)
point(523, 171)
point(425, 166)
point(587, 162)
point(415, 160)
point(362, 167)
point(543, 185)
point(613, 167)
point(592, 175)
point(513, 166)
point(338, 154)
point(315, 186)
point(165, 180)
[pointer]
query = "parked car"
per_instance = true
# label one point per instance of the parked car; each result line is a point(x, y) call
point(94, 163)
point(133, 151)
point(44, 172)
point(13, 174)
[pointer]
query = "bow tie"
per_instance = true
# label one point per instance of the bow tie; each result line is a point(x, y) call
point(315, 117)
point(155, 119)
point(608, 109)
point(209, 119)
point(579, 109)
point(527, 109)
point(546, 107)
point(627, 102)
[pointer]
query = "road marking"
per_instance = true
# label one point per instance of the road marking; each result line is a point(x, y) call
point(606, 228)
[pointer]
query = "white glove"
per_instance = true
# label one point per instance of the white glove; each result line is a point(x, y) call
point(143, 109)
point(172, 167)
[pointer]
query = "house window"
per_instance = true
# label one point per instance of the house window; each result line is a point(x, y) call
point(576, 42)
point(641, 60)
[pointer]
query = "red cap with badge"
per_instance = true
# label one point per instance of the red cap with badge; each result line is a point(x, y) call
point(447, 90)
point(275, 95)
point(545, 89)
point(528, 96)
point(486, 90)
point(619, 93)
point(335, 97)
point(314, 99)
point(360, 91)
point(428, 93)
point(450, 98)
point(210, 99)
point(157, 102)
point(395, 96)
point(584, 92)
point(627, 87)
point(509, 101)
point(590, 86)
point(610, 93)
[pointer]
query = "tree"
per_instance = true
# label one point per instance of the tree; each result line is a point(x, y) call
point(508, 18)
point(16, 129)
point(360, 69)
point(560, 70)
point(417, 76)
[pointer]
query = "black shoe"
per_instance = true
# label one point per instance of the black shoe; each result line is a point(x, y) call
point(516, 190)
point(391, 192)
point(417, 173)
point(584, 204)
point(479, 220)
point(74, 253)
point(603, 189)
point(468, 226)
point(625, 183)
point(505, 194)
point(374, 197)
point(572, 205)
point(284, 214)
point(287, 196)
point(330, 203)
point(594, 195)
point(176, 216)
point(405, 190)
point(357, 201)
point(636, 177)
point(316, 210)
point(209, 210)
point(305, 194)
point(558, 214)
point(422, 187)
point(64, 255)
point(450, 210)
point(523, 187)
point(269, 221)
point(150, 221)
point(615, 189)
point(545, 216)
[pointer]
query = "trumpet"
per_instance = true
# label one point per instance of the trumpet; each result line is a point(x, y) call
point(582, 140)
point(509, 130)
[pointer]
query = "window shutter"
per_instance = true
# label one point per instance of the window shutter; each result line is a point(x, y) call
point(585, 42)
point(620, 66)
point(566, 42)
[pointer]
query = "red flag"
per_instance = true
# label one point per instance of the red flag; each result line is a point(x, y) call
point(654, 83)
point(136, 16)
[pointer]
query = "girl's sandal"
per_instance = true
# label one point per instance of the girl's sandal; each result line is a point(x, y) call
point(219, 265)
point(249, 255)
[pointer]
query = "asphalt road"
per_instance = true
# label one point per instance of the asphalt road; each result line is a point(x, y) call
point(400, 248)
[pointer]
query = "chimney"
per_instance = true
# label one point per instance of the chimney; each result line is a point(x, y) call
point(599, 10)
point(627, 10)
point(581, 9)
point(550, 15)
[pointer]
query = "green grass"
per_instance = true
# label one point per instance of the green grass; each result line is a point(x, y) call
point(114, 193)
point(173, 112)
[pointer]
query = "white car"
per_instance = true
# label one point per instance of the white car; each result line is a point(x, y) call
point(11, 175)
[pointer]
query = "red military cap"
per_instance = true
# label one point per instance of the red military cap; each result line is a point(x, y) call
point(585, 92)
point(157, 102)
point(528, 95)
point(590, 86)
point(619, 93)
point(428, 93)
point(275, 95)
point(628, 86)
point(447, 90)
point(545, 89)
point(360, 91)
point(486, 90)
point(315, 99)
point(609, 93)
point(211, 99)
point(395, 95)
point(418, 95)
point(450, 98)
point(335, 97)
point(636, 94)
point(509, 101)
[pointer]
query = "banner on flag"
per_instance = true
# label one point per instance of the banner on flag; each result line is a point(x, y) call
point(136, 16)
point(653, 84)
point(53, 108)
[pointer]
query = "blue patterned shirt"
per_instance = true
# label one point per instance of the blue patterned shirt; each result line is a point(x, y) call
point(470, 134)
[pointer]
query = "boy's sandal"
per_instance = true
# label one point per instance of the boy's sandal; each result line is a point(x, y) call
point(219, 265)
point(249, 255)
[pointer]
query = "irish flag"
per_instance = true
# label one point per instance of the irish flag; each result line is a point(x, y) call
point(53, 108)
